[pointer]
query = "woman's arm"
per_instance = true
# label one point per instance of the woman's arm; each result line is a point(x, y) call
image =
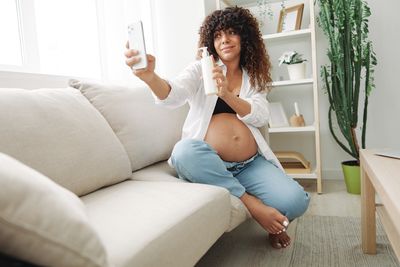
point(252, 110)
point(242, 107)
point(159, 86)
point(259, 114)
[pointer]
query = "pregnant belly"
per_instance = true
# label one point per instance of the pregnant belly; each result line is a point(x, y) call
point(230, 137)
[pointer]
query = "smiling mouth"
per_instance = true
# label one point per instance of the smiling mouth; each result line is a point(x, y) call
point(226, 48)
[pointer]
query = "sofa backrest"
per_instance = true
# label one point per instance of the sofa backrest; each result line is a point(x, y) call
point(60, 134)
point(147, 131)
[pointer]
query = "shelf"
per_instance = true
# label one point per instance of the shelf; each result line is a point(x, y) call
point(292, 82)
point(310, 128)
point(245, 2)
point(311, 175)
point(287, 35)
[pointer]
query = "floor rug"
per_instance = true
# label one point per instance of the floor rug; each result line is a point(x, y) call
point(318, 241)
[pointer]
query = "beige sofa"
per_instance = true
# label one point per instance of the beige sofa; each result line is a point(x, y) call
point(84, 181)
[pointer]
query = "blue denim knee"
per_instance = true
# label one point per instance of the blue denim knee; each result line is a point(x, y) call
point(294, 204)
point(198, 162)
point(184, 156)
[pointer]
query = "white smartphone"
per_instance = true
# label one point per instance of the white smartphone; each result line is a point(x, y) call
point(136, 41)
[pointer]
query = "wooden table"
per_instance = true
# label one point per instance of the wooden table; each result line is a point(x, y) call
point(381, 175)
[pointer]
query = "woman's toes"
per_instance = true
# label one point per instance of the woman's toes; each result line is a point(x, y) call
point(275, 229)
point(279, 240)
point(285, 223)
point(279, 226)
point(274, 241)
point(276, 245)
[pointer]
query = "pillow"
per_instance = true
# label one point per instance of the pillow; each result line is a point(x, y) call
point(60, 134)
point(43, 223)
point(147, 131)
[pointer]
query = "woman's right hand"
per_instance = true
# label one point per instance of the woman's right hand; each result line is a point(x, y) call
point(146, 74)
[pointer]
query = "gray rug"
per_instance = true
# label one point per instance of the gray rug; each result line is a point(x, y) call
point(318, 241)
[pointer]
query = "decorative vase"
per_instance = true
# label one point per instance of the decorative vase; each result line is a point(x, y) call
point(297, 71)
point(351, 171)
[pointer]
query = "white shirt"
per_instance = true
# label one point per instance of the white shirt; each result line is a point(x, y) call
point(188, 87)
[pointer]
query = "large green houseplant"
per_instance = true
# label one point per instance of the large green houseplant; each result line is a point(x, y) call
point(345, 24)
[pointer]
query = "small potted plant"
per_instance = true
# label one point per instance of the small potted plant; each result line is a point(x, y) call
point(295, 64)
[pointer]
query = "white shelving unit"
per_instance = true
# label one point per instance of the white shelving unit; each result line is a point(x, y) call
point(291, 82)
point(287, 87)
point(307, 128)
point(287, 35)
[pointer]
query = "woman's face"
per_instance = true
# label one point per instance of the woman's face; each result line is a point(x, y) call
point(227, 44)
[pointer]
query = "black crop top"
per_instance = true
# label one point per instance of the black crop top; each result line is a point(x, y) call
point(222, 107)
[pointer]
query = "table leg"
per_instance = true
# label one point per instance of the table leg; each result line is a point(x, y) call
point(368, 223)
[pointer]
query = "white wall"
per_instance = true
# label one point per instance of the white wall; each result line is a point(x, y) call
point(177, 23)
point(384, 127)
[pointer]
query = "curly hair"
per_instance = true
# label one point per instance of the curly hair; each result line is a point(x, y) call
point(253, 57)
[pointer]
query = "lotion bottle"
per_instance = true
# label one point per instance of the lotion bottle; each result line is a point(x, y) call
point(207, 65)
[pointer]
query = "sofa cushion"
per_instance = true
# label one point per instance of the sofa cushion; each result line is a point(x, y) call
point(158, 223)
point(162, 172)
point(43, 223)
point(157, 172)
point(147, 131)
point(60, 134)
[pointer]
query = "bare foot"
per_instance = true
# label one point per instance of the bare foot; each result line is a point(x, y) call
point(269, 218)
point(278, 241)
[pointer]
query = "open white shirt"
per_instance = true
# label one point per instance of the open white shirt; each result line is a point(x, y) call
point(188, 87)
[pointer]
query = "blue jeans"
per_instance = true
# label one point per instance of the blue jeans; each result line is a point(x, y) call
point(196, 161)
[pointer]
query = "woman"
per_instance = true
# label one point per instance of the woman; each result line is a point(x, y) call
point(221, 144)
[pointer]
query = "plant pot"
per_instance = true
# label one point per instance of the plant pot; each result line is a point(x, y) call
point(351, 171)
point(297, 71)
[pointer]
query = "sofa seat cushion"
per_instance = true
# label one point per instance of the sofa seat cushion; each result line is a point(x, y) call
point(158, 223)
point(147, 131)
point(158, 172)
point(161, 171)
point(60, 134)
point(43, 223)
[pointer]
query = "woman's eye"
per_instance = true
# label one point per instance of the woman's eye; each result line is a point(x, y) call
point(216, 36)
point(232, 32)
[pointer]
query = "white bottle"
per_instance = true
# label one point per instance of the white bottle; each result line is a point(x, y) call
point(207, 66)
